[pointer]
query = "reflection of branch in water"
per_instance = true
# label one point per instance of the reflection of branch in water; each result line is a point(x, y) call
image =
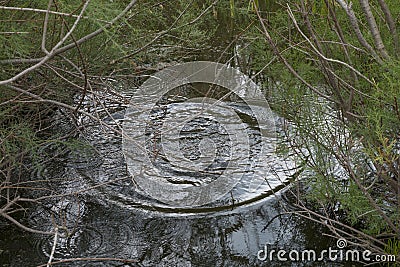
point(194, 183)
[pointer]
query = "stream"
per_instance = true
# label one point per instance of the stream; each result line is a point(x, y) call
point(105, 213)
point(116, 219)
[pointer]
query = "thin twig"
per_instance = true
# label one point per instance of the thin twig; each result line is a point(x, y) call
point(53, 249)
point(321, 55)
point(17, 223)
point(47, 11)
point(287, 64)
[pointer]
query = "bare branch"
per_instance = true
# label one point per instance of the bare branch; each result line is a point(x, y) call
point(356, 28)
point(17, 223)
point(14, 33)
point(46, 11)
point(339, 33)
point(45, 24)
point(390, 21)
point(373, 27)
point(53, 249)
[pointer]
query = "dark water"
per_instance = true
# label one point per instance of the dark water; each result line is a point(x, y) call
point(153, 239)
point(107, 215)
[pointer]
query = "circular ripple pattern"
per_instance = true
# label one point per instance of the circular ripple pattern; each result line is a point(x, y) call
point(162, 139)
point(93, 240)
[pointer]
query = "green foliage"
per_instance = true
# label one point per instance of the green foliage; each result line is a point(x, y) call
point(155, 31)
point(322, 132)
point(17, 137)
point(393, 247)
point(150, 33)
point(359, 210)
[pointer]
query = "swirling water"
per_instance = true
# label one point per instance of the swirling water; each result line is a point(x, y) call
point(115, 219)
